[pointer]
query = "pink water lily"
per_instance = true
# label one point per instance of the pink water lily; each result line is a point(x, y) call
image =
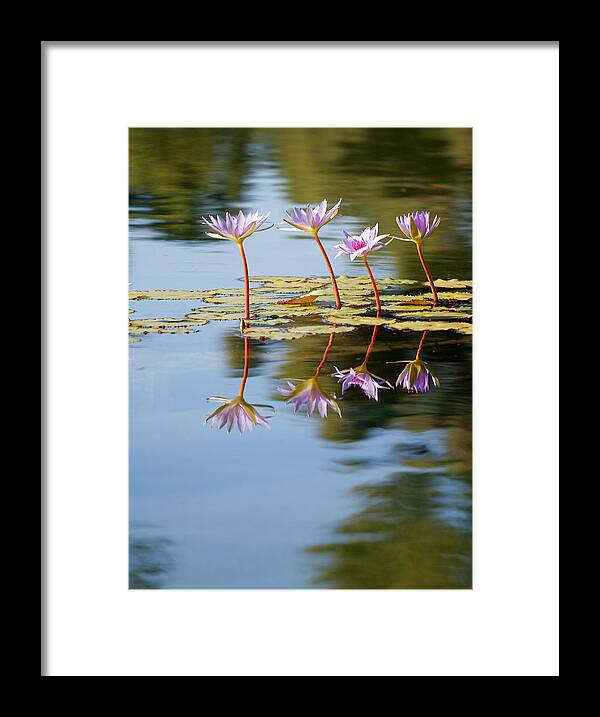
point(312, 217)
point(309, 394)
point(362, 244)
point(236, 228)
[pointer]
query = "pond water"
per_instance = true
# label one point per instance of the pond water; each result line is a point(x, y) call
point(380, 498)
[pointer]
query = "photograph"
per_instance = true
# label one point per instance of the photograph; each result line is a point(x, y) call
point(300, 327)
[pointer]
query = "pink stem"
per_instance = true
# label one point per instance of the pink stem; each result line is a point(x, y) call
point(246, 282)
point(246, 363)
point(370, 347)
point(429, 278)
point(377, 301)
point(421, 344)
point(320, 366)
point(338, 303)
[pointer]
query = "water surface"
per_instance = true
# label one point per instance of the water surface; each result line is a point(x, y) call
point(379, 499)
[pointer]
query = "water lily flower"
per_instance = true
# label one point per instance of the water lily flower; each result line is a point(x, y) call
point(361, 245)
point(415, 377)
point(363, 378)
point(310, 220)
point(416, 226)
point(237, 228)
point(237, 413)
point(310, 394)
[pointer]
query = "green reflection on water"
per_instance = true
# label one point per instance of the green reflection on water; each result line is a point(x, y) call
point(380, 173)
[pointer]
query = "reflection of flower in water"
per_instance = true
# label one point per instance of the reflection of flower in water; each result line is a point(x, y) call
point(416, 375)
point(237, 412)
point(310, 394)
point(361, 376)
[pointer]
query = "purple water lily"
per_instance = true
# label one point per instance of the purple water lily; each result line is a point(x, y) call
point(310, 394)
point(236, 228)
point(362, 244)
point(311, 218)
point(237, 413)
point(363, 378)
point(417, 225)
point(415, 377)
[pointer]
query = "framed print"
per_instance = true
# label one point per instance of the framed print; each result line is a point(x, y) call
point(287, 423)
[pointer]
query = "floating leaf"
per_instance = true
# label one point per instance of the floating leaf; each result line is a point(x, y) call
point(164, 294)
point(295, 332)
point(307, 299)
point(452, 284)
point(460, 327)
point(357, 320)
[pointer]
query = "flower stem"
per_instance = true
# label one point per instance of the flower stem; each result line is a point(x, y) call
point(320, 366)
point(246, 363)
point(377, 301)
point(431, 284)
point(246, 282)
point(338, 303)
point(421, 342)
point(371, 344)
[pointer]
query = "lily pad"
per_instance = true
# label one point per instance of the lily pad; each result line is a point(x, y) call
point(357, 320)
point(296, 332)
point(164, 294)
point(460, 327)
point(279, 302)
